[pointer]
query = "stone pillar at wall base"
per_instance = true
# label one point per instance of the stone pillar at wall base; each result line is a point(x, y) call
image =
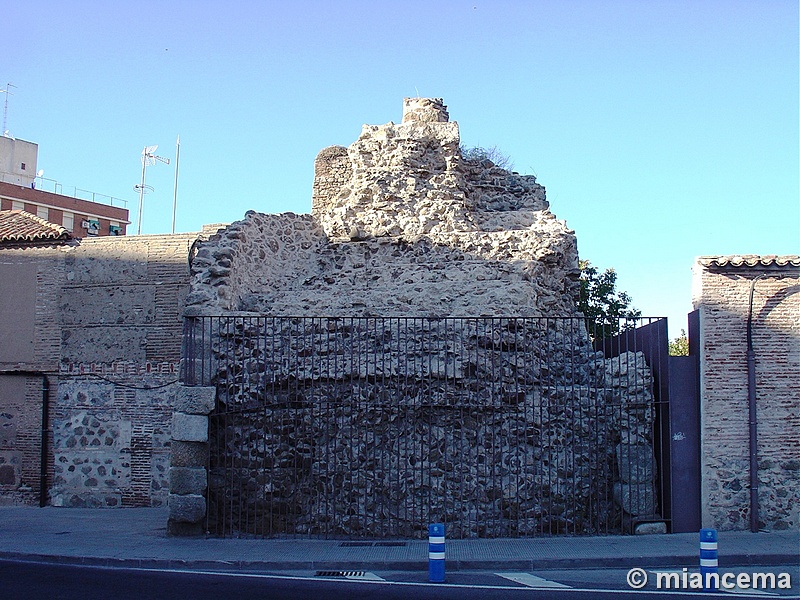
point(188, 472)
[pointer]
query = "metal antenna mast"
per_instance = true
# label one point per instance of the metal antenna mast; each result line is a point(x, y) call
point(8, 93)
point(149, 158)
point(175, 187)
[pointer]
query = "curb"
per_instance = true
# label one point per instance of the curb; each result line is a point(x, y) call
point(733, 560)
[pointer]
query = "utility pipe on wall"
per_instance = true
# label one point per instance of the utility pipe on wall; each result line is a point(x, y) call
point(751, 406)
point(45, 449)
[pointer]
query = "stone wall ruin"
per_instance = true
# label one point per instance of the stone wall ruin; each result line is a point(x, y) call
point(401, 225)
point(404, 227)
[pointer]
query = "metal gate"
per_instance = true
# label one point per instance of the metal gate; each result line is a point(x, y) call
point(374, 427)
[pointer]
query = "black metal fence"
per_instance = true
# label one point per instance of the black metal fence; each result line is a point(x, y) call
point(374, 427)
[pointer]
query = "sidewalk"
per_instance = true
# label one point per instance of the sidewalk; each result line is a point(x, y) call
point(137, 538)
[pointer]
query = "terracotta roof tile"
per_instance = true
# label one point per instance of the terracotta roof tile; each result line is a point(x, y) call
point(20, 226)
point(750, 260)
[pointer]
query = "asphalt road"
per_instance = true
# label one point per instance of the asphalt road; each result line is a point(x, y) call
point(29, 580)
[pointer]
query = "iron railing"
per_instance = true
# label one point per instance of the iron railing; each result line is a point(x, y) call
point(44, 184)
point(363, 427)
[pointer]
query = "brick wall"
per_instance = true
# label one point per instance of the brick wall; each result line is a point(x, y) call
point(20, 436)
point(30, 339)
point(722, 294)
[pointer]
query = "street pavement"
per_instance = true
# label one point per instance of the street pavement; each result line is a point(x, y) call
point(137, 538)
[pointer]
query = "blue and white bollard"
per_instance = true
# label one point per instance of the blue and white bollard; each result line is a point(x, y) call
point(709, 561)
point(436, 552)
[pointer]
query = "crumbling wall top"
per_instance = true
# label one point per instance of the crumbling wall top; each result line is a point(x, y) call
point(401, 224)
point(428, 110)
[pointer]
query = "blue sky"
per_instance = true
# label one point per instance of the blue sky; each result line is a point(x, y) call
point(662, 129)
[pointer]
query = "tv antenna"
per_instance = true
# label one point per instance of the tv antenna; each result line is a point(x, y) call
point(149, 159)
point(175, 187)
point(8, 93)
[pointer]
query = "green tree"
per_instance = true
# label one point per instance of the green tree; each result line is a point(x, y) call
point(607, 310)
point(680, 345)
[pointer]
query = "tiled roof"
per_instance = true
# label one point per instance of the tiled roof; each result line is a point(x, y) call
point(20, 226)
point(750, 260)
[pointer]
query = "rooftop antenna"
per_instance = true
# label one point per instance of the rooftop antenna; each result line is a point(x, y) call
point(8, 93)
point(149, 159)
point(175, 187)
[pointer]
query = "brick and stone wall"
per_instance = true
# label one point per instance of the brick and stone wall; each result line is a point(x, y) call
point(102, 317)
point(722, 287)
point(121, 327)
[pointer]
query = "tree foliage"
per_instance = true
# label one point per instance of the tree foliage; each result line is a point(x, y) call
point(607, 310)
point(680, 345)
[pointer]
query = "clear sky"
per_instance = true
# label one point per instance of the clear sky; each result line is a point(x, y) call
point(662, 129)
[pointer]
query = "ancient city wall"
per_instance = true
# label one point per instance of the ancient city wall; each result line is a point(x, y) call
point(722, 288)
point(368, 427)
point(403, 226)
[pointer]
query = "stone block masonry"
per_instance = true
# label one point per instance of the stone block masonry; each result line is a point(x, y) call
point(189, 428)
point(188, 477)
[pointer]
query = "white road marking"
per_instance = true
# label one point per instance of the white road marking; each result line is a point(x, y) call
point(749, 592)
point(364, 577)
point(531, 580)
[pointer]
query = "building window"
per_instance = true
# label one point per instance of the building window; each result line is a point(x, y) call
point(68, 221)
point(22, 166)
point(17, 205)
point(42, 212)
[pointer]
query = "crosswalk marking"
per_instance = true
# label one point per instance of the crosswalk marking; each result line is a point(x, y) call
point(532, 581)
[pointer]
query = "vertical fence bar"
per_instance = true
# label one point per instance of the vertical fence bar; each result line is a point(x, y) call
point(187, 375)
point(229, 469)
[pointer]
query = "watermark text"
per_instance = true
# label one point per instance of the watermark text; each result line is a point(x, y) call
point(637, 579)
